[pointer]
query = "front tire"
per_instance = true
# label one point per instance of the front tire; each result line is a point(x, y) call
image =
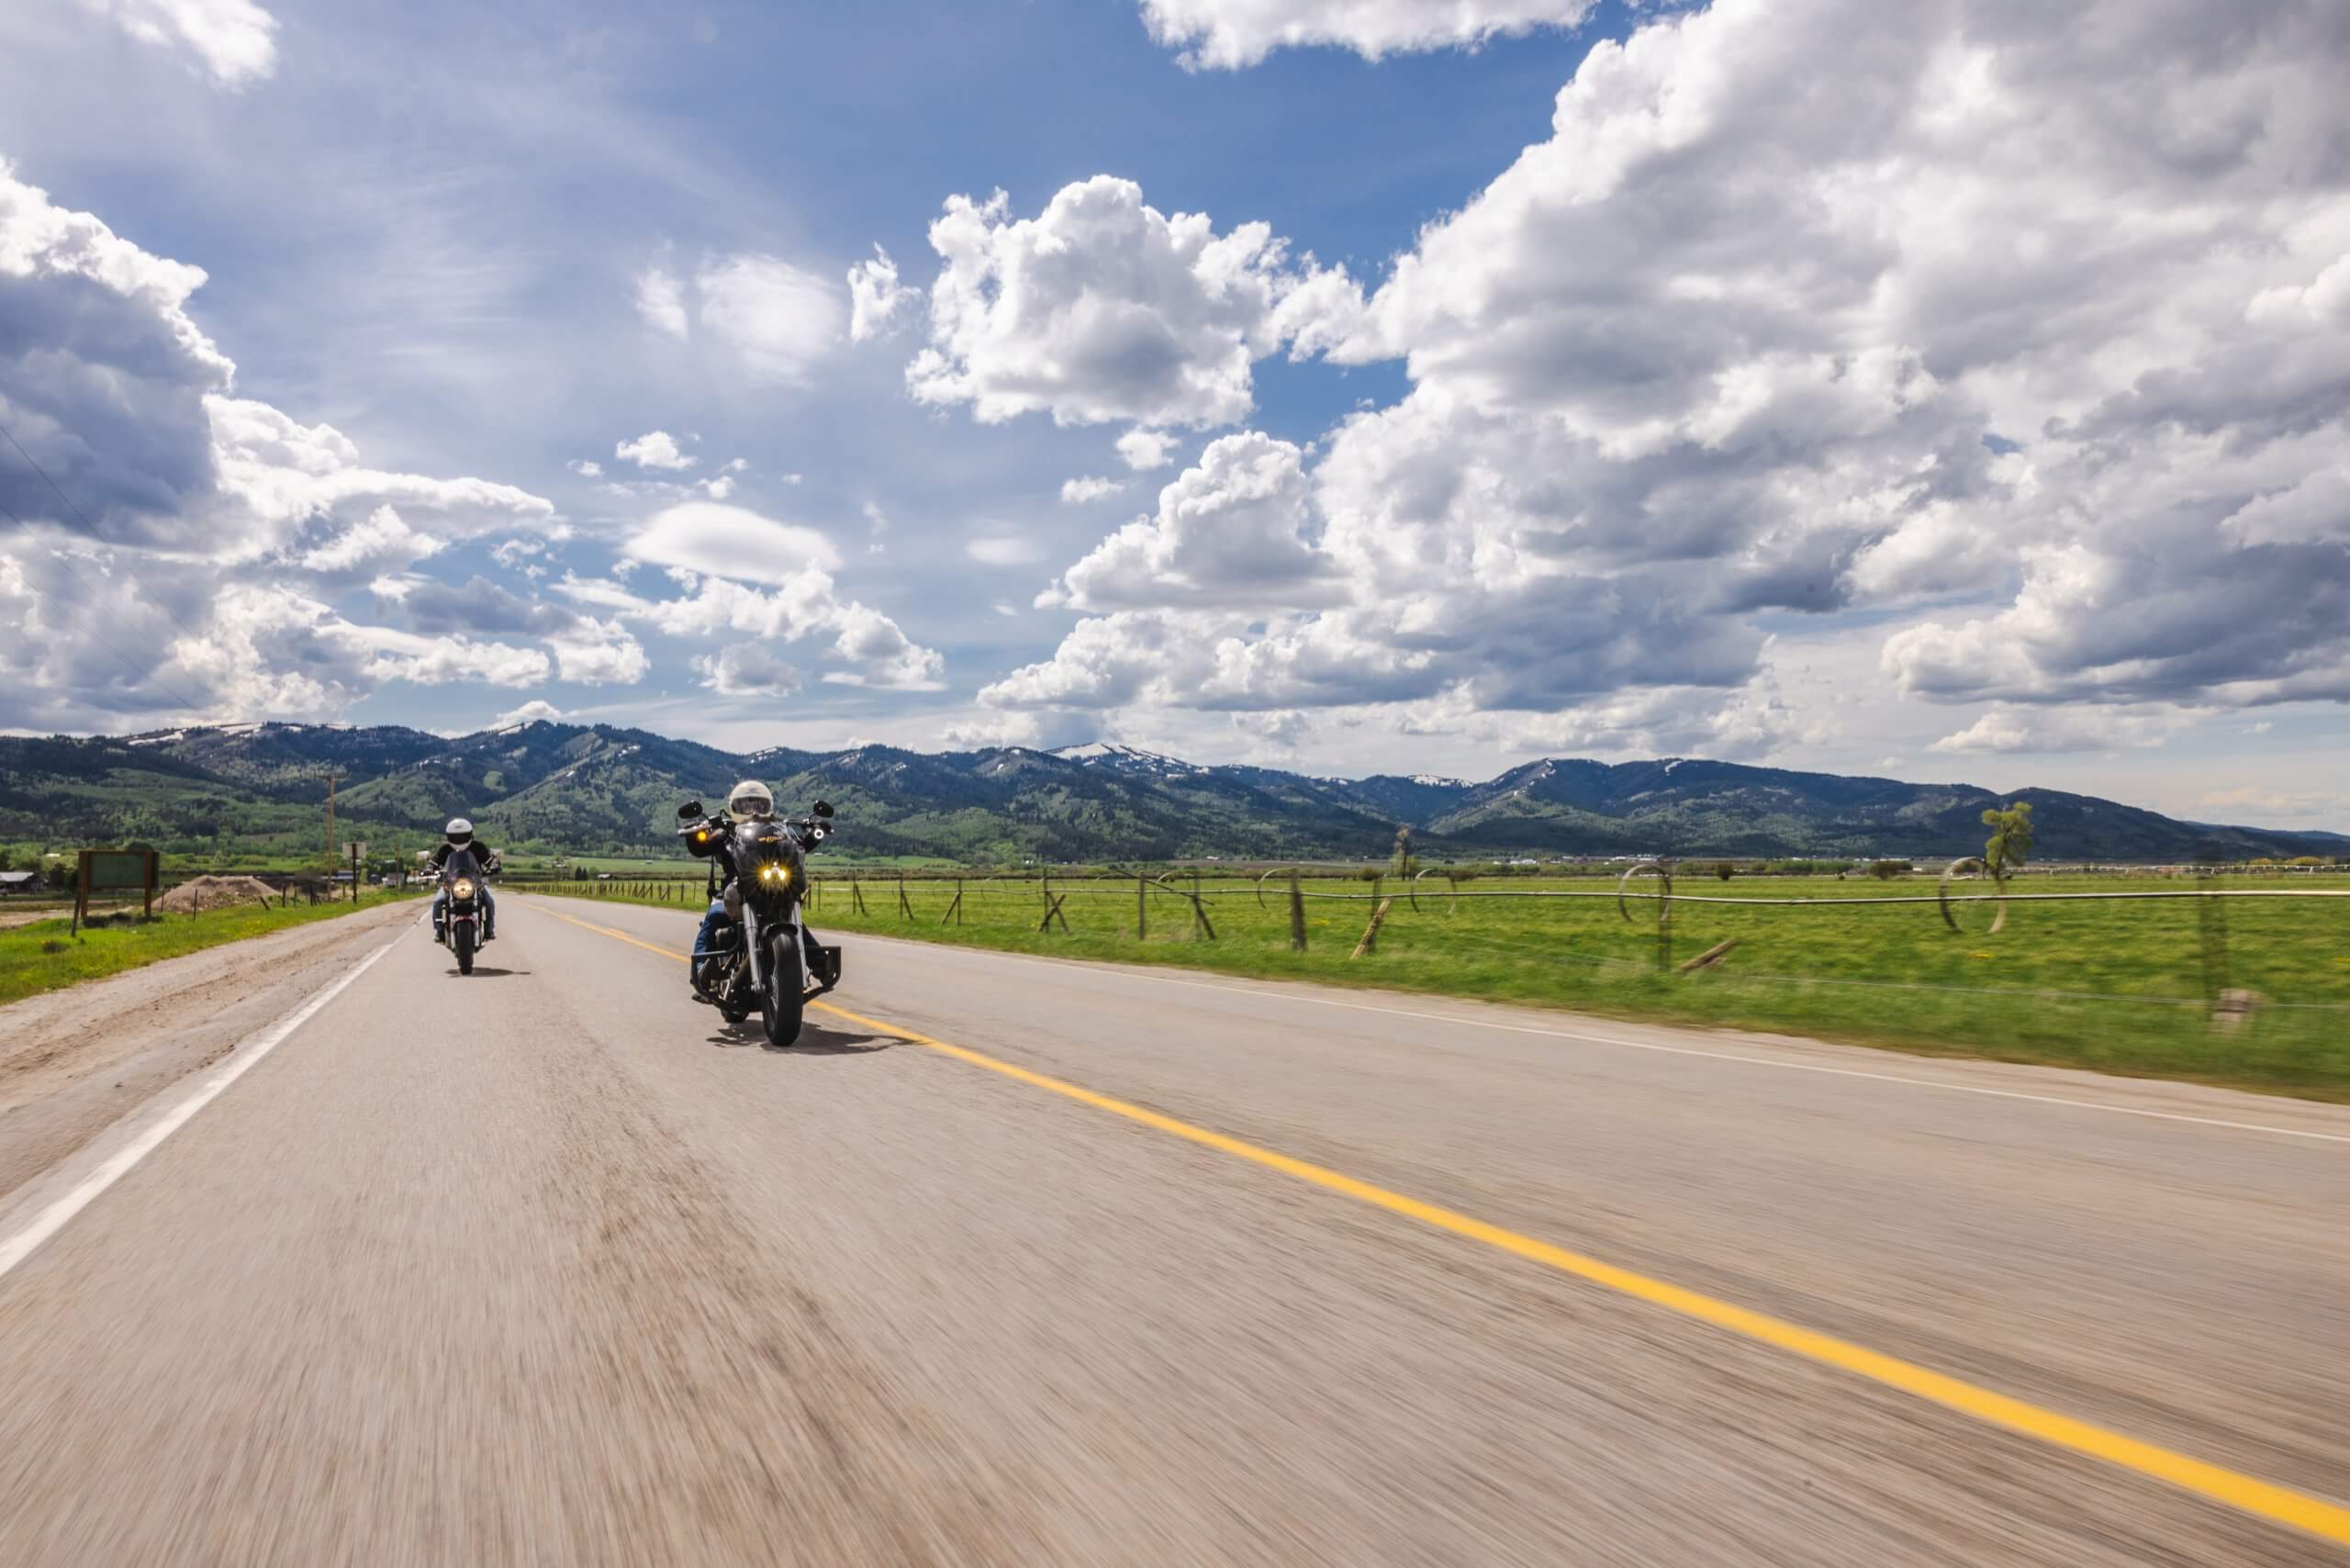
point(463, 939)
point(780, 1014)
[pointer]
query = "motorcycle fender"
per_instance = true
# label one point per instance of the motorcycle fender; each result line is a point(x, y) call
point(786, 952)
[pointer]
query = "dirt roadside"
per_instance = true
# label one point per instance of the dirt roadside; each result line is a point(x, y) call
point(34, 916)
point(72, 1061)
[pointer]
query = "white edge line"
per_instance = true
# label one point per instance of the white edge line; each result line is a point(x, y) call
point(1136, 971)
point(54, 1218)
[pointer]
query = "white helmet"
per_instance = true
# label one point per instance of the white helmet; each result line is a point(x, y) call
point(460, 831)
point(750, 799)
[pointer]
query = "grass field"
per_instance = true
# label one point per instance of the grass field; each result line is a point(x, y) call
point(43, 957)
point(2116, 986)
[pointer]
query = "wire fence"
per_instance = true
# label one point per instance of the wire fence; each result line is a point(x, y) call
point(2085, 944)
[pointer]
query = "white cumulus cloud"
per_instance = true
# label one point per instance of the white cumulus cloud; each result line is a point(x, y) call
point(732, 541)
point(1228, 34)
point(779, 318)
point(536, 710)
point(1089, 488)
point(654, 449)
point(746, 669)
point(2031, 336)
point(189, 563)
point(661, 300)
point(1144, 449)
point(876, 297)
point(1229, 533)
point(233, 40)
point(1102, 308)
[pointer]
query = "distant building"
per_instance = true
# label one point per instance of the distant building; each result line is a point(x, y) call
point(21, 881)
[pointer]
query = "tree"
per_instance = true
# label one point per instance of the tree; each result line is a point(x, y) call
point(1725, 871)
point(2010, 842)
point(1405, 864)
point(4, 863)
point(1885, 870)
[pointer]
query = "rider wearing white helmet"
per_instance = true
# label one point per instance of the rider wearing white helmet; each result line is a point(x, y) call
point(749, 801)
point(459, 840)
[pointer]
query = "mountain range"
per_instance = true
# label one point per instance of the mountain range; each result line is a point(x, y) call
point(601, 789)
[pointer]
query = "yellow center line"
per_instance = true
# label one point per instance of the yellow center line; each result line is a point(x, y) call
point(2329, 1522)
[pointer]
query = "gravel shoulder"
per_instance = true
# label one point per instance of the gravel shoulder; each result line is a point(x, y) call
point(74, 1061)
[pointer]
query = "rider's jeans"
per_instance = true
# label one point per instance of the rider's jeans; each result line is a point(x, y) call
point(710, 924)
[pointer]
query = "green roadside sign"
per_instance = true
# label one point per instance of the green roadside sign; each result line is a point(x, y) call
point(116, 870)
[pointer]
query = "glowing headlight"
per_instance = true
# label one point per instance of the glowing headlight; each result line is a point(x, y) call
point(775, 874)
point(465, 888)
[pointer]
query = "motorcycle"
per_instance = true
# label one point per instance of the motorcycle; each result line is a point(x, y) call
point(763, 958)
point(462, 878)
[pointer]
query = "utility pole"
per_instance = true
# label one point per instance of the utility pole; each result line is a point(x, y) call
point(330, 832)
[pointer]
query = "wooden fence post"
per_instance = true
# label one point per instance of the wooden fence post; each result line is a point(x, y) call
point(1142, 907)
point(905, 910)
point(1296, 915)
point(1370, 942)
point(2212, 927)
point(1709, 957)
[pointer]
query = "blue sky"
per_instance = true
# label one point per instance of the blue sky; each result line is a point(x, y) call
point(1741, 380)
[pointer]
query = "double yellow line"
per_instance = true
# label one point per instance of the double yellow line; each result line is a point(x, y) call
point(2281, 1504)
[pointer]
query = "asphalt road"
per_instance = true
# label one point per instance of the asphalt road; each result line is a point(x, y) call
point(552, 1266)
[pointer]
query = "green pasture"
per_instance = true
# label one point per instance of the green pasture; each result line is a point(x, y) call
point(2123, 986)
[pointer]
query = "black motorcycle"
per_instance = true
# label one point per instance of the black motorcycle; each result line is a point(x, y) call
point(762, 958)
point(460, 928)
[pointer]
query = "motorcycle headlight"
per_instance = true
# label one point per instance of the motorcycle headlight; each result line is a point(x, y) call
point(775, 874)
point(465, 888)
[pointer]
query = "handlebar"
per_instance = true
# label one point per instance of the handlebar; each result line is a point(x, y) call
point(811, 831)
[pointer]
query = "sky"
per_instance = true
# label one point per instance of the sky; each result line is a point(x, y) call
point(1955, 390)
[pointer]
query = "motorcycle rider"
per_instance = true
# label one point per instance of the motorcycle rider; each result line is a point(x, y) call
point(459, 839)
point(749, 801)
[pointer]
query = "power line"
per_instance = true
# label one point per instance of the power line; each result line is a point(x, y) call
point(52, 482)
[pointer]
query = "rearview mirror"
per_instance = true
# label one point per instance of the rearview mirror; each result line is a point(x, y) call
point(691, 812)
point(823, 808)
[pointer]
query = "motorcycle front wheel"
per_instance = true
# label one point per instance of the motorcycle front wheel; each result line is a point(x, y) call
point(780, 1013)
point(463, 939)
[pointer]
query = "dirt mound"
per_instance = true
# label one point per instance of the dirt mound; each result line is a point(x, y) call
point(215, 892)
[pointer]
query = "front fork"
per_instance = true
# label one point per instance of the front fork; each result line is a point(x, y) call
point(756, 949)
